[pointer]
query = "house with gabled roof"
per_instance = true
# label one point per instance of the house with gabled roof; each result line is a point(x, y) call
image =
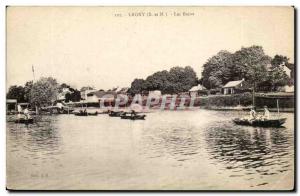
point(232, 87)
point(197, 91)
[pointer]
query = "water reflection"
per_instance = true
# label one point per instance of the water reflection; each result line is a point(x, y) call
point(180, 144)
point(40, 140)
point(250, 151)
point(166, 149)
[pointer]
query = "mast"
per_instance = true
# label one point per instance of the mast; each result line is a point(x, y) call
point(278, 108)
point(253, 95)
point(32, 68)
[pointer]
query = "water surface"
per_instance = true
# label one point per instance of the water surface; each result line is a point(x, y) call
point(169, 150)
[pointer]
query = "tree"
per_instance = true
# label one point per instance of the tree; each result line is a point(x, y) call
point(16, 92)
point(245, 63)
point(279, 60)
point(181, 79)
point(283, 60)
point(44, 91)
point(137, 86)
point(27, 89)
point(74, 94)
point(217, 70)
point(277, 77)
point(248, 62)
point(178, 79)
point(157, 81)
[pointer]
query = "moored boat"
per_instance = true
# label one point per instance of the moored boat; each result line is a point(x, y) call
point(92, 114)
point(133, 117)
point(115, 114)
point(24, 120)
point(260, 122)
point(81, 114)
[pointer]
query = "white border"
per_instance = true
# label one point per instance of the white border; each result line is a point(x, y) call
point(4, 3)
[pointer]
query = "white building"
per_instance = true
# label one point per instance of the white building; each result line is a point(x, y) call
point(96, 96)
point(287, 70)
point(230, 87)
point(62, 96)
point(84, 91)
point(155, 94)
point(196, 90)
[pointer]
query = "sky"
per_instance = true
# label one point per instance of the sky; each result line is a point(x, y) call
point(107, 47)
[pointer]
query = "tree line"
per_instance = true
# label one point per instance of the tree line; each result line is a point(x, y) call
point(249, 63)
point(177, 79)
point(42, 92)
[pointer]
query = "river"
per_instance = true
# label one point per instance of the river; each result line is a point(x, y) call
point(195, 150)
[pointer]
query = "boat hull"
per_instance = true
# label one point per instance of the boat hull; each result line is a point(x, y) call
point(79, 114)
point(115, 114)
point(138, 117)
point(260, 123)
point(93, 114)
point(24, 121)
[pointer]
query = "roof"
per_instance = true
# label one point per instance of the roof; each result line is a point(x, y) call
point(11, 101)
point(233, 83)
point(101, 94)
point(86, 88)
point(199, 87)
point(123, 90)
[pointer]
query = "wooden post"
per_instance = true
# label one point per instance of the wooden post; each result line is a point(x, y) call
point(253, 95)
point(278, 108)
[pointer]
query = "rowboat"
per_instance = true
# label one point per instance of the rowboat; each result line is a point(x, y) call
point(114, 114)
point(81, 114)
point(133, 117)
point(24, 120)
point(260, 122)
point(92, 114)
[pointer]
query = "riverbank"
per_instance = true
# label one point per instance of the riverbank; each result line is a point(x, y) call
point(281, 110)
point(243, 101)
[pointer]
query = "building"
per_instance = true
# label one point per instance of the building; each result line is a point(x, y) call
point(96, 96)
point(62, 96)
point(123, 90)
point(197, 91)
point(233, 87)
point(84, 91)
point(287, 70)
point(155, 94)
point(11, 104)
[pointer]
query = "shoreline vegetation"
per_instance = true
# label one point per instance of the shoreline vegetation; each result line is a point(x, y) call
point(234, 102)
point(229, 81)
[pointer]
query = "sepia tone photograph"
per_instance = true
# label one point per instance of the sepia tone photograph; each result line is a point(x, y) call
point(150, 98)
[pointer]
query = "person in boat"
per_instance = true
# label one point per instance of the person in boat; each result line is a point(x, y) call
point(133, 113)
point(252, 114)
point(26, 113)
point(266, 114)
point(19, 111)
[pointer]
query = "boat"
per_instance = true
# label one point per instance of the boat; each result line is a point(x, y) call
point(132, 117)
point(260, 122)
point(115, 114)
point(81, 114)
point(24, 120)
point(92, 114)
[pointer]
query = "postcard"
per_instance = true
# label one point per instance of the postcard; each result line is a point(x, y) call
point(150, 98)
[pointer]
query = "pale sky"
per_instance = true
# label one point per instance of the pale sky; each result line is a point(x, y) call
point(91, 46)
